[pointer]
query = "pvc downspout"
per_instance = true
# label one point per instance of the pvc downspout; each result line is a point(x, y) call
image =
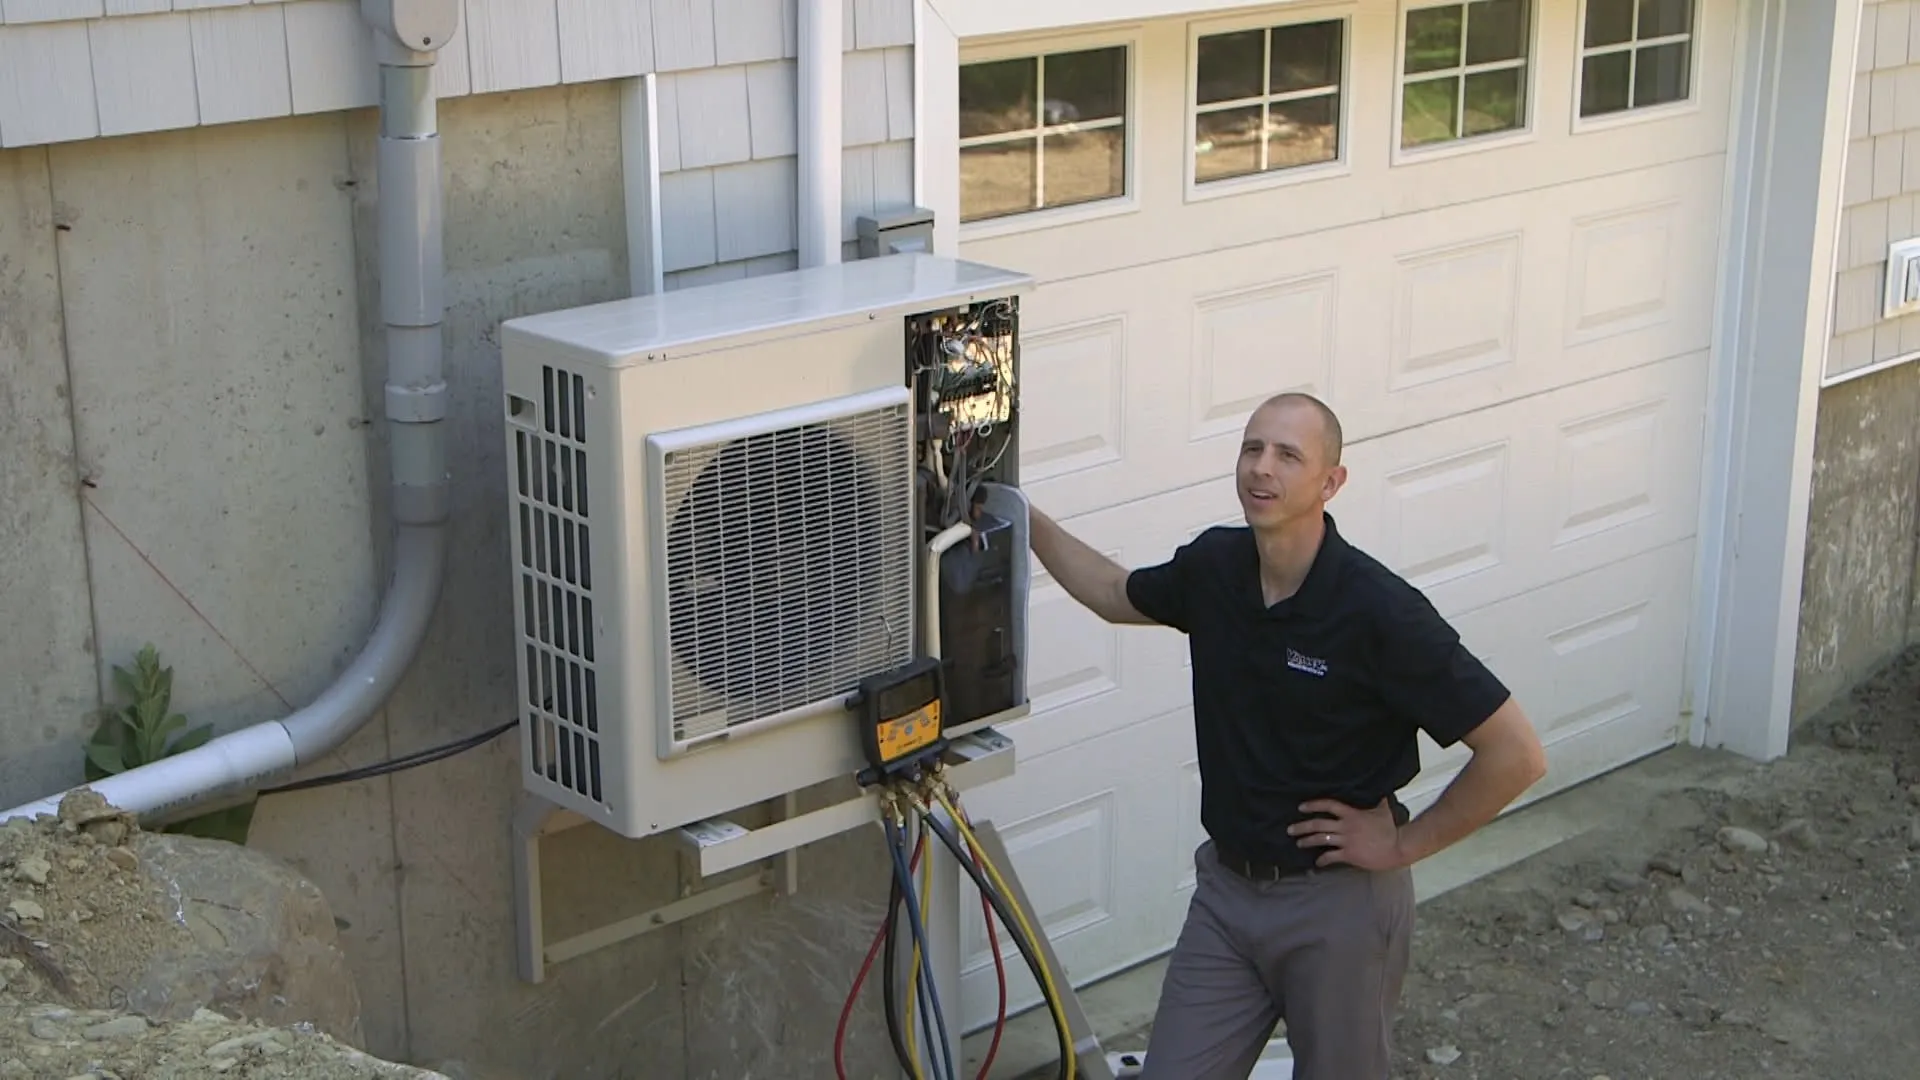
point(820, 47)
point(412, 302)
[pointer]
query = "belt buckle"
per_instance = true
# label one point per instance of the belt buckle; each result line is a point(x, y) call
point(1257, 872)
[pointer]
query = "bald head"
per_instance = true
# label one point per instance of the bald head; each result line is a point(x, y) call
point(1332, 439)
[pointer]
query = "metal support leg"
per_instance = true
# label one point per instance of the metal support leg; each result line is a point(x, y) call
point(1092, 1061)
point(529, 822)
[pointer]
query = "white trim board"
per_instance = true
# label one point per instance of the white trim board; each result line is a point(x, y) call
point(1796, 64)
point(1878, 366)
point(936, 143)
point(985, 18)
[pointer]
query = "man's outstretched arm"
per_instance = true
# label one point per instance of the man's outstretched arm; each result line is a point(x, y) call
point(1097, 582)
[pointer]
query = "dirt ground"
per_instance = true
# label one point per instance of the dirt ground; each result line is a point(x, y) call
point(1763, 924)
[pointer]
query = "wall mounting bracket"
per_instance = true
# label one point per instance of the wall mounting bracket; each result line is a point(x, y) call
point(711, 847)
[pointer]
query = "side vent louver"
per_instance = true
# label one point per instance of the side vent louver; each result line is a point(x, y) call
point(562, 725)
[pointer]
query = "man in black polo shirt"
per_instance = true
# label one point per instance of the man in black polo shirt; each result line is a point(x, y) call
point(1313, 668)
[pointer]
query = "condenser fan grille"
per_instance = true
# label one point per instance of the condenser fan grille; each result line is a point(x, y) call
point(788, 564)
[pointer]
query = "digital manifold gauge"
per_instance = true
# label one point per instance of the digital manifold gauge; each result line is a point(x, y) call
point(899, 716)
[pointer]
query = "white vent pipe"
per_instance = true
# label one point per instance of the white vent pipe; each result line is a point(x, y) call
point(412, 304)
point(820, 45)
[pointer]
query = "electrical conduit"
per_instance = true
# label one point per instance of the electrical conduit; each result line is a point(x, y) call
point(820, 47)
point(412, 302)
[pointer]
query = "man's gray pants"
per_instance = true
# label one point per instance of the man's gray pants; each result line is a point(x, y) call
point(1326, 951)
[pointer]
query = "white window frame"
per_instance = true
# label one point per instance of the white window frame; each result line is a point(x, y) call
point(1466, 144)
point(1268, 19)
point(1033, 47)
point(1631, 115)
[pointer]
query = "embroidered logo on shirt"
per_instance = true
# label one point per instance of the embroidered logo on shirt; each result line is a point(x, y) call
point(1299, 661)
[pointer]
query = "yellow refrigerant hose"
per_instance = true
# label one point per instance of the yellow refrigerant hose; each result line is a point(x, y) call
point(993, 873)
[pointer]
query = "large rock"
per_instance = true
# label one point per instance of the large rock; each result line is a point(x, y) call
point(105, 916)
point(261, 941)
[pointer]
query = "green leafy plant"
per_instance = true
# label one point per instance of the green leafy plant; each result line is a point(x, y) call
point(143, 731)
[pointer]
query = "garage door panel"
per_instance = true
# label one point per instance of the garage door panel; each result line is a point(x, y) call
point(1073, 407)
point(1255, 341)
point(1138, 382)
point(1098, 393)
point(1478, 508)
point(1455, 313)
point(1624, 268)
point(1091, 678)
point(1460, 310)
point(1094, 853)
point(1596, 661)
point(1639, 275)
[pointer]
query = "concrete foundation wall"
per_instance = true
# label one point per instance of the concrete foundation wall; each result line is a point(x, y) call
point(1859, 603)
point(193, 450)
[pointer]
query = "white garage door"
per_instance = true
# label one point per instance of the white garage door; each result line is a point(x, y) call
point(1486, 233)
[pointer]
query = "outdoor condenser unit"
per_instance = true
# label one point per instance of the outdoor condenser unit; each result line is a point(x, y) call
point(722, 500)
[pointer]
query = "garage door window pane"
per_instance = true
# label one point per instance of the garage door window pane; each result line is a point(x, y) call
point(1433, 39)
point(997, 180)
point(1305, 58)
point(1304, 132)
point(1493, 102)
point(1609, 22)
point(1088, 85)
point(1042, 131)
point(1085, 166)
point(1267, 100)
point(1496, 31)
point(1665, 18)
point(1228, 66)
point(1427, 112)
point(1606, 83)
point(1226, 143)
point(1465, 71)
point(996, 98)
point(1635, 54)
point(1660, 75)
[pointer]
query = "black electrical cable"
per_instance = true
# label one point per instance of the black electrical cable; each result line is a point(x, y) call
point(399, 764)
point(1001, 907)
point(905, 877)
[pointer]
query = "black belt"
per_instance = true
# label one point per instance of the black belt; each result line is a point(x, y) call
point(1254, 869)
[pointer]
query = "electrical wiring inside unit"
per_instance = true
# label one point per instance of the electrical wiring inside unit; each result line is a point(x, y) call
point(962, 370)
point(963, 374)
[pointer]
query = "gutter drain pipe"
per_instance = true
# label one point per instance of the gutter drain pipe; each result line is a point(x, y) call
point(412, 303)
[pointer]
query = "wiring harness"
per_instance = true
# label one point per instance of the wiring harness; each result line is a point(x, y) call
point(962, 378)
point(913, 802)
